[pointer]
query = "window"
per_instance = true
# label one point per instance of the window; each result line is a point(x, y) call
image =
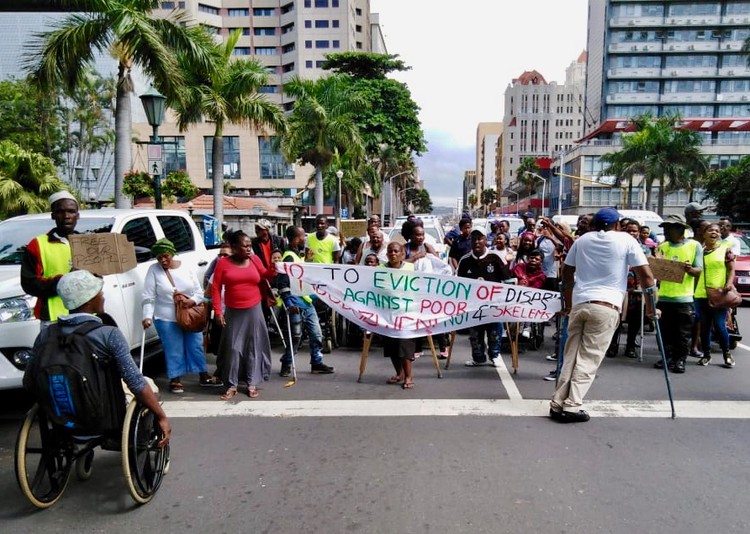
point(308, 24)
point(288, 67)
point(265, 50)
point(264, 31)
point(231, 157)
point(335, 23)
point(334, 3)
point(322, 44)
point(262, 12)
point(287, 8)
point(358, 46)
point(167, 5)
point(177, 230)
point(238, 12)
point(209, 9)
point(268, 89)
point(308, 44)
point(321, 3)
point(358, 28)
point(308, 3)
point(308, 64)
point(273, 166)
point(211, 30)
point(319, 64)
point(321, 24)
point(174, 153)
point(244, 31)
point(358, 12)
point(141, 234)
point(287, 48)
point(241, 51)
point(335, 44)
point(287, 28)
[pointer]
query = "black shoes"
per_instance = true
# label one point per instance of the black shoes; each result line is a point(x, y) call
point(679, 367)
point(580, 416)
point(670, 365)
point(286, 370)
point(321, 369)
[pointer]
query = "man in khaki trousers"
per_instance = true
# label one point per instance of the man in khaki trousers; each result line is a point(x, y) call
point(598, 264)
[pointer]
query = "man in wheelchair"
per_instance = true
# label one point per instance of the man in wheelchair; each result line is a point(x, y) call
point(81, 380)
point(81, 292)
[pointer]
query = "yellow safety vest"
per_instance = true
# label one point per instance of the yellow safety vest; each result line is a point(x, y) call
point(56, 260)
point(322, 248)
point(296, 259)
point(714, 272)
point(684, 253)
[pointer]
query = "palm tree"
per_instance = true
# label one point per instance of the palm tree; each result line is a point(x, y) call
point(127, 30)
point(321, 126)
point(26, 180)
point(227, 93)
point(488, 198)
point(661, 153)
point(523, 174)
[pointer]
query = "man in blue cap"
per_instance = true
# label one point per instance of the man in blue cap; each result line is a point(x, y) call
point(598, 264)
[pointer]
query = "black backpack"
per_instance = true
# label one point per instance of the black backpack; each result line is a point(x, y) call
point(70, 381)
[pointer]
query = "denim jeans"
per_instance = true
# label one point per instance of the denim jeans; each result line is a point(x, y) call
point(308, 319)
point(478, 344)
point(716, 318)
point(183, 351)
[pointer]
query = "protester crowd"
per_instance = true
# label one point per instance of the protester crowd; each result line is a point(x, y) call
point(600, 269)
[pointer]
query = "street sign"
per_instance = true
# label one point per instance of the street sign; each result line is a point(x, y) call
point(154, 152)
point(155, 167)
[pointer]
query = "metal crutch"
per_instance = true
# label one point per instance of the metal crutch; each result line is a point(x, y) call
point(143, 350)
point(652, 299)
point(293, 381)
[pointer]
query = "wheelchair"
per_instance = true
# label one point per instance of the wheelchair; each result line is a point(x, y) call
point(46, 453)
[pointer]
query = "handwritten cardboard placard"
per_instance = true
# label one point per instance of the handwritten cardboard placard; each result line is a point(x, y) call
point(102, 253)
point(353, 228)
point(667, 270)
point(406, 304)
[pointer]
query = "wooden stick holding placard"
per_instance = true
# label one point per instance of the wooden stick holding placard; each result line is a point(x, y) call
point(667, 270)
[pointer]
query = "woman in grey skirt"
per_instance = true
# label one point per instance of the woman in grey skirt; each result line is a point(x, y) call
point(244, 340)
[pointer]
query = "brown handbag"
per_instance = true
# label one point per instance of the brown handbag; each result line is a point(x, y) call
point(718, 298)
point(190, 316)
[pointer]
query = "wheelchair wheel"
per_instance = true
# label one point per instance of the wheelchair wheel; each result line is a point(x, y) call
point(143, 462)
point(44, 456)
point(84, 466)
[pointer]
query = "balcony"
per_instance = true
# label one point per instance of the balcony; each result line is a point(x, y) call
point(691, 46)
point(688, 98)
point(627, 72)
point(689, 72)
point(631, 47)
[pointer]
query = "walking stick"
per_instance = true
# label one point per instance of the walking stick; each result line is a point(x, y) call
point(293, 381)
point(652, 299)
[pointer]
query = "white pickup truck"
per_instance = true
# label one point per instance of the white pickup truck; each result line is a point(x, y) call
point(123, 293)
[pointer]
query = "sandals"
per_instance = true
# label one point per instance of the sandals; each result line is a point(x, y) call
point(394, 380)
point(252, 392)
point(229, 394)
point(175, 386)
point(210, 381)
point(407, 385)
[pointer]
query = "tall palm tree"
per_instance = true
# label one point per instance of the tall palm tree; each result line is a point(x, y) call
point(26, 180)
point(528, 165)
point(321, 126)
point(127, 30)
point(227, 93)
point(661, 152)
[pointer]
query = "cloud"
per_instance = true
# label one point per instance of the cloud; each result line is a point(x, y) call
point(443, 166)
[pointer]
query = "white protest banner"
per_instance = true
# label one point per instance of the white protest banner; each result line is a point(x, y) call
point(405, 304)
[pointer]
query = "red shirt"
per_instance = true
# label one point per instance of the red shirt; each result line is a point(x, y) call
point(528, 279)
point(241, 284)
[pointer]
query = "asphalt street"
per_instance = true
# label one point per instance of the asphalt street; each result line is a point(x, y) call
point(471, 452)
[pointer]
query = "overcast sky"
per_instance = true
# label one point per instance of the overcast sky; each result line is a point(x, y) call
point(463, 55)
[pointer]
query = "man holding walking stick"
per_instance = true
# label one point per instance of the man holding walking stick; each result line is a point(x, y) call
point(595, 277)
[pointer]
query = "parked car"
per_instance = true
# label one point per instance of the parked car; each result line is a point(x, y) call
point(123, 292)
point(742, 267)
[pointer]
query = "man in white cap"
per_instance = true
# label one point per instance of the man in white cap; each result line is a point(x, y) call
point(81, 293)
point(47, 257)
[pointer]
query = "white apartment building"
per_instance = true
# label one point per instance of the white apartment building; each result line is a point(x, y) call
point(541, 118)
point(489, 135)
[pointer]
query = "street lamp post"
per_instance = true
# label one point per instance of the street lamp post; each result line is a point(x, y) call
point(339, 176)
point(390, 197)
point(509, 191)
point(544, 186)
point(153, 104)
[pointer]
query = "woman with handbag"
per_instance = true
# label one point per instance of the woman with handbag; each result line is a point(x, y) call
point(171, 287)
point(713, 294)
point(244, 340)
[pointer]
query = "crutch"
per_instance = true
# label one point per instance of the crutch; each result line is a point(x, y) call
point(563, 335)
point(652, 299)
point(143, 350)
point(293, 381)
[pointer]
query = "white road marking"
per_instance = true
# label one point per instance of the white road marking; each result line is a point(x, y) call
point(743, 346)
point(508, 383)
point(450, 407)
